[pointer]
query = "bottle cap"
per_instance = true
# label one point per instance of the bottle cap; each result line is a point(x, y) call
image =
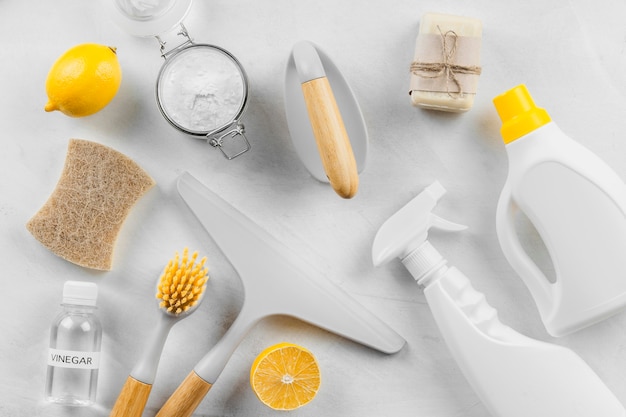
point(80, 293)
point(518, 113)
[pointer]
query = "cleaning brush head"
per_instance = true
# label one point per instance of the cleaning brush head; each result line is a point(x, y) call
point(182, 283)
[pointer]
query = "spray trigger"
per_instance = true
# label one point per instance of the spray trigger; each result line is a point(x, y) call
point(446, 225)
point(406, 230)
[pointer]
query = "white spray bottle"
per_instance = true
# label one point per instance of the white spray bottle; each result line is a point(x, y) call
point(577, 203)
point(513, 375)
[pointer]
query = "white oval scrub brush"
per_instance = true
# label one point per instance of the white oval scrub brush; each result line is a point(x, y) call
point(180, 290)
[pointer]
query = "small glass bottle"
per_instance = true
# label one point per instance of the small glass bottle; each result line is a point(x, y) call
point(74, 353)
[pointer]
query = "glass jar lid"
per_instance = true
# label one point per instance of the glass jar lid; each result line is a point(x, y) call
point(147, 17)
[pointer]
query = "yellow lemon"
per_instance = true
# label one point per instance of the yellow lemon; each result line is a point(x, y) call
point(285, 376)
point(83, 80)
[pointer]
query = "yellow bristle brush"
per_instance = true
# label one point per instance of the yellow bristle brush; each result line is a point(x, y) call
point(180, 289)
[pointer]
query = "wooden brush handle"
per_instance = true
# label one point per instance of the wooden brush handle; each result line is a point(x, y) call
point(331, 136)
point(132, 399)
point(186, 398)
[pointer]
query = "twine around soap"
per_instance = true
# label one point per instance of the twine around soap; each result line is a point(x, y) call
point(447, 67)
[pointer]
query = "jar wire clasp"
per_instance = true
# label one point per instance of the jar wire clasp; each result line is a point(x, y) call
point(216, 139)
point(162, 44)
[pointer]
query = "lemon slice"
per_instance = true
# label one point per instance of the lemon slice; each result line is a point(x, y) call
point(285, 376)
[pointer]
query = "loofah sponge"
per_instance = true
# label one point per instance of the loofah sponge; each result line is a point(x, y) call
point(81, 220)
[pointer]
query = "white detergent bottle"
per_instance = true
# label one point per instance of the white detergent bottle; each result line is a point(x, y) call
point(577, 204)
point(513, 375)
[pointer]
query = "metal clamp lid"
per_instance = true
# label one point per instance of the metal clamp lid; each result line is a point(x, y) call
point(147, 19)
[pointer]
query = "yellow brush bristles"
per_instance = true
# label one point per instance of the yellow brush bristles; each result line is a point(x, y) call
point(182, 283)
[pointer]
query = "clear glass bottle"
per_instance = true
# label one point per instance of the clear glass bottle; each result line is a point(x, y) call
point(74, 353)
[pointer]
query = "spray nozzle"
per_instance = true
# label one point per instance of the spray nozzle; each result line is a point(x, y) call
point(406, 230)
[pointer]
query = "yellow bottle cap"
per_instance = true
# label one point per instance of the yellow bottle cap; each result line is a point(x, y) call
point(518, 113)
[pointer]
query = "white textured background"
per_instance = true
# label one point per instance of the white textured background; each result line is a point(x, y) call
point(571, 54)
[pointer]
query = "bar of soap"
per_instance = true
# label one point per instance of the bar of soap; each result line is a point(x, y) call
point(446, 65)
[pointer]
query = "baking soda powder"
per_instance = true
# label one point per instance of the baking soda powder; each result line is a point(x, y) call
point(201, 89)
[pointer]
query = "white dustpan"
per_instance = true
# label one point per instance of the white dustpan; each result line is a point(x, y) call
point(298, 120)
point(276, 282)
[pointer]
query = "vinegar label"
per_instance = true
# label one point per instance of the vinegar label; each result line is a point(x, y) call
point(73, 359)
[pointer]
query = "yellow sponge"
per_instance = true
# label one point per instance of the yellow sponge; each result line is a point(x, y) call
point(81, 220)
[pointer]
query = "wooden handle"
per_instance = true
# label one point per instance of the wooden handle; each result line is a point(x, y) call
point(132, 399)
point(331, 136)
point(186, 398)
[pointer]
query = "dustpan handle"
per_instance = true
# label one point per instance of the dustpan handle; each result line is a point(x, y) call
point(189, 394)
point(186, 398)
